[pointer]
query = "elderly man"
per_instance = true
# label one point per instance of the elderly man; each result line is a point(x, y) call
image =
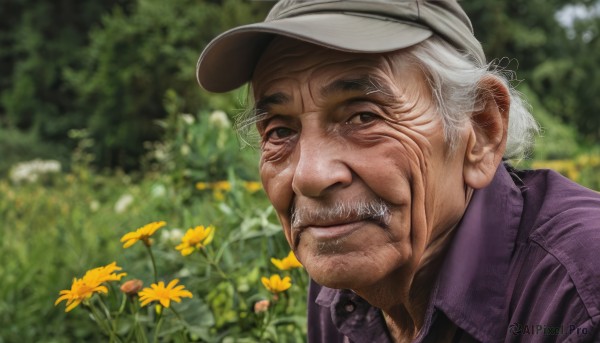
point(383, 133)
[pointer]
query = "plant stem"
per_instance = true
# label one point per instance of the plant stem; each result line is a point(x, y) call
point(157, 329)
point(222, 274)
point(138, 331)
point(101, 322)
point(266, 322)
point(183, 333)
point(153, 263)
point(237, 296)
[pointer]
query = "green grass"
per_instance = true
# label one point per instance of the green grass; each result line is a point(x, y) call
point(58, 228)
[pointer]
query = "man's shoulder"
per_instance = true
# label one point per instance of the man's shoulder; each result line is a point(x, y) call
point(559, 211)
point(563, 218)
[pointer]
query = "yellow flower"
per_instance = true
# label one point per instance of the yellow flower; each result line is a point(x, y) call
point(222, 186)
point(219, 189)
point(287, 263)
point(142, 234)
point(103, 274)
point(201, 186)
point(164, 295)
point(275, 284)
point(252, 186)
point(90, 283)
point(218, 195)
point(195, 239)
point(80, 291)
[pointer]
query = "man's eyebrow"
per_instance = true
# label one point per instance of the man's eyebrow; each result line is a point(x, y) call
point(364, 84)
point(263, 104)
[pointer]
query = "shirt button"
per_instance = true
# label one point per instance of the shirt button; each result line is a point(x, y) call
point(349, 307)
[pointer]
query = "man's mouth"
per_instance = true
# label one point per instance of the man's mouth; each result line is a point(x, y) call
point(334, 221)
point(334, 231)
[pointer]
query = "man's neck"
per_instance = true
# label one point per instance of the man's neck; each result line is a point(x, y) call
point(404, 297)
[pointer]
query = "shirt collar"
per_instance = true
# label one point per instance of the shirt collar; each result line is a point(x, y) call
point(471, 288)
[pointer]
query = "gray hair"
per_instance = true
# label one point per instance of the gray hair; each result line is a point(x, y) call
point(454, 81)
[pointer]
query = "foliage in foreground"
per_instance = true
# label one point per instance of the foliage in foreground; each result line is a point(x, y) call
point(63, 224)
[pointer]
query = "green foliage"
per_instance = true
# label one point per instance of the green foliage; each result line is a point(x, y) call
point(60, 229)
point(50, 233)
point(68, 223)
point(201, 148)
point(559, 64)
point(131, 62)
point(556, 140)
point(106, 67)
point(37, 50)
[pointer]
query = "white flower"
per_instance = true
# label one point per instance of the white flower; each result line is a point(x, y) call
point(30, 171)
point(158, 191)
point(172, 237)
point(124, 201)
point(176, 235)
point(94, 205)
point(183, 273)
point(185, 150)
point(219, 119)
point(187, 118)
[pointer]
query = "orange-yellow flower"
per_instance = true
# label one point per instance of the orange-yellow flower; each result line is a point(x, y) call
point(287, 263)
point(219, 189)
point(201, 186)
point(142, 234)
point(103, 274)
point(196, 239)
point(164, 295)
point(90, 283)
point(222, 186)
point(275, 284)
point(252, 186)
point(80, 291)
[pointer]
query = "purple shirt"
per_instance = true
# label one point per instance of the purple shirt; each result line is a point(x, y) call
point(523, 266)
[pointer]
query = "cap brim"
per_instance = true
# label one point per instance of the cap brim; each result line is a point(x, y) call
point(229, 60)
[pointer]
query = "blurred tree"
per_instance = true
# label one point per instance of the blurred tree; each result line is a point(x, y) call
point(39, 39)
point(106, 66)
point(559, 63)
point(133, 60)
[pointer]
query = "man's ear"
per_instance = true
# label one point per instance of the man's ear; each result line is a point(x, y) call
point(487, 137)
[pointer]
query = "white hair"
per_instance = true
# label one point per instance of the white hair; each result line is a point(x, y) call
point(454, 81)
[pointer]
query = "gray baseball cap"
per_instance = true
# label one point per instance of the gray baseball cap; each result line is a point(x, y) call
point(360, 26)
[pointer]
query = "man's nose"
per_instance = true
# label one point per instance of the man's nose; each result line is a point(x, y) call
point(320, 167)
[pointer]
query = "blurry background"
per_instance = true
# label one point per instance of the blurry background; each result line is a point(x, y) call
point(103, 129)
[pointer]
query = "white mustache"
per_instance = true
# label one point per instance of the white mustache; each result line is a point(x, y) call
point(376, 210)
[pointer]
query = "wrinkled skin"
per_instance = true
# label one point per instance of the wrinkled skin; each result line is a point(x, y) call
point(323, 145)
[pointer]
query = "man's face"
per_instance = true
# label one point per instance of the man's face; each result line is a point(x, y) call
point(354, 161)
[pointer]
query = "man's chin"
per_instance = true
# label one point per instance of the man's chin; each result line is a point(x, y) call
point(356, 259)
point(339, 270)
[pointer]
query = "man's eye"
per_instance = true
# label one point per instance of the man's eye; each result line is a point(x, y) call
point(362, 118)
point(279, 133)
